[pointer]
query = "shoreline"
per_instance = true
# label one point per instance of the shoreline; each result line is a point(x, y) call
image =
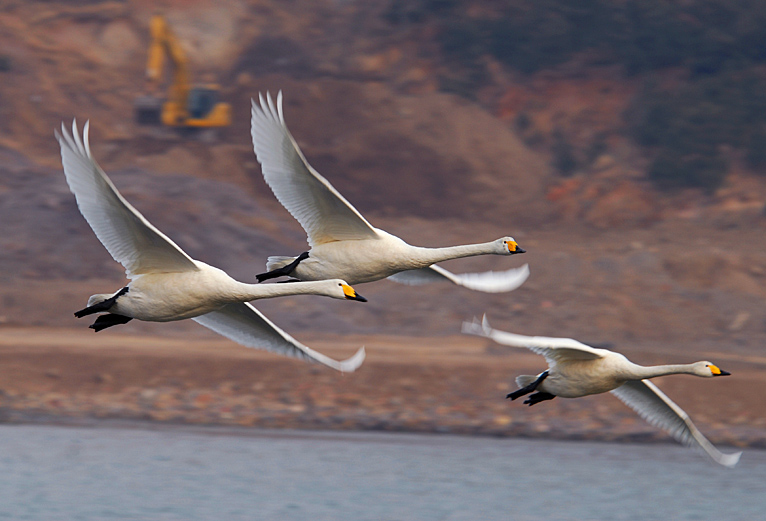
point(449, 385)
point(216, 429)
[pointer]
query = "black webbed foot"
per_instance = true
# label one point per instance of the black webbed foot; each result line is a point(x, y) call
point(539, 397)
point(104, 305)
point(529, 388)
point(109, 320)
point(284, 270)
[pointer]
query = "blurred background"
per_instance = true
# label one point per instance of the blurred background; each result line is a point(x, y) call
point(623, 144)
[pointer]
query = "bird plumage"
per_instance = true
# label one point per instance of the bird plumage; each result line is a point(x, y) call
point(165, 283)
point(576, 369)
point(343, 243)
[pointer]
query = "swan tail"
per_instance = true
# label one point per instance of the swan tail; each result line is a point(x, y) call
point(525, 379)
point(278, 261)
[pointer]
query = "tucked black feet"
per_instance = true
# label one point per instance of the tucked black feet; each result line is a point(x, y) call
point(284, 270)
point(104, 305)
point(109, 320)
point(519, 393)
point(529, 388)
point(539, 397)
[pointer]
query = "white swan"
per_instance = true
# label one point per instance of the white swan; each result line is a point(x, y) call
point(343, 244)
point(165, 283)
point(576, 369)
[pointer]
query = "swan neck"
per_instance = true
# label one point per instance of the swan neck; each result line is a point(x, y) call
point(433, 255)
point(652, 371)
point(247, 292)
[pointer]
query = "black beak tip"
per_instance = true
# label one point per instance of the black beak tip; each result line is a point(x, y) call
point(520, 250)
point(725, 373)
point(360, 298)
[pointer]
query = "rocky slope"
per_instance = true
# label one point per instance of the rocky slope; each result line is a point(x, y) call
point(613, 261)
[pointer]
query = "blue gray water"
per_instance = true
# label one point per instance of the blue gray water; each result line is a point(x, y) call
point(184, 473)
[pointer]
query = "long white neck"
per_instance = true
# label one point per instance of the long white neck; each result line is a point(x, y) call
point(240, 291)
point(640, 372)
point(427, 256)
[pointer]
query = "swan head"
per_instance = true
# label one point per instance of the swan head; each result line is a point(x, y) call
point(340, 289)
point(509, 246)
point(708, 369)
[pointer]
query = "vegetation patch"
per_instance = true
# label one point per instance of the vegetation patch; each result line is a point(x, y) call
point(691, 130)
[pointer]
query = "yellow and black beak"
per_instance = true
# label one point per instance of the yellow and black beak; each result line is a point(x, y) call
point(351, 294)
point(514, 248)
point(718, 372)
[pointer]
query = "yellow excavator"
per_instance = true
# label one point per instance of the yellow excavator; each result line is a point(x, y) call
point(186, 106)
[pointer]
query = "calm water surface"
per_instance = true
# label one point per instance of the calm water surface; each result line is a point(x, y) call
point(182, 473)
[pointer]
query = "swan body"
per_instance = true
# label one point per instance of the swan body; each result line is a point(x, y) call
point(343, 244)
point(576, 369)
point(164, 297)
point(165, 283)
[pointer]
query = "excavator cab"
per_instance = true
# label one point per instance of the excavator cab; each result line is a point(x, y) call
point(186, 105)
point(201, 101)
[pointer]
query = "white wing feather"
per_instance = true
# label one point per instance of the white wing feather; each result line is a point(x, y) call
point(244, 324)
point(130, 239)
point(553, 349)
point(656, 408)
point(321, 210)
point(488, 281)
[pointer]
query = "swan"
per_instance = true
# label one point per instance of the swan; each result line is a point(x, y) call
point(165, 283)
point(576, 369)
point(342, 243)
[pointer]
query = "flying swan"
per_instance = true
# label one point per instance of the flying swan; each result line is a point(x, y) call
point(165, 283)
point(576, 369)
point(342, 243)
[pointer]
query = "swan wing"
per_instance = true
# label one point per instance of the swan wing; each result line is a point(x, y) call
point(244, 324)
point(555, 350)
point(488, 282)
point(656, 408)
point(323, 213)
point(130, 239)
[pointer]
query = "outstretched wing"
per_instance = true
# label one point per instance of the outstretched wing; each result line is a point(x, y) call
point(656, 408)
point(488, 282)
point(245, 325)
point(323, 213)
point(554, 350)
point(130, 239)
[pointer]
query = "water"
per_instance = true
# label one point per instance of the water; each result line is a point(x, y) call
point(79, 473)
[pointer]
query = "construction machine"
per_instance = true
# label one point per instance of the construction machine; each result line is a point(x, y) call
point(186, 106)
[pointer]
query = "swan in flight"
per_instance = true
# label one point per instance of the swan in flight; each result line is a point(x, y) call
point(342, 243)
point(165, 283)
point(576, 369)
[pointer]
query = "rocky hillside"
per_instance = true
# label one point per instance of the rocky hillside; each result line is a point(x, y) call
point(400, 124)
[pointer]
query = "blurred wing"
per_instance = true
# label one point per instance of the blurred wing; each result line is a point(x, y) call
point(488, 282)
point(130, 239)
point(553, 349)
point(323, 213)
point(656, 408)
point(245, 325)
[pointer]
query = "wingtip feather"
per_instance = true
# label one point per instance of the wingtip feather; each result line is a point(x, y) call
point(352, 364)
point(86, 137)
point(730, 460)
point(474, 327)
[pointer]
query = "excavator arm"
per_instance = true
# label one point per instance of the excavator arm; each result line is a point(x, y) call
point(164, 43)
